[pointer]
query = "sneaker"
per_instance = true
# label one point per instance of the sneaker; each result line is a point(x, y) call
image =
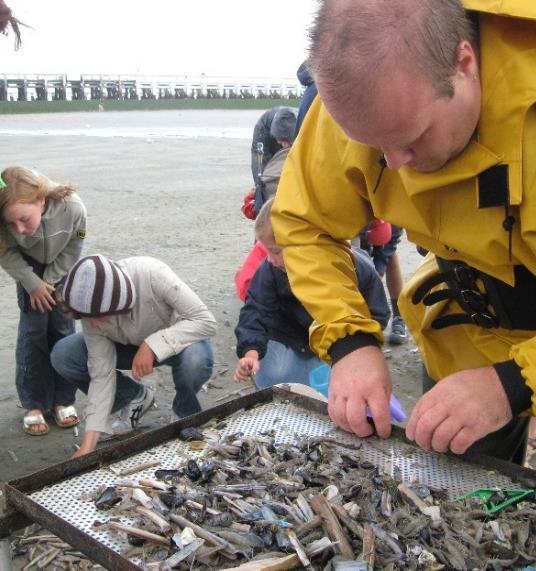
point(130, 415)
point(397, 336)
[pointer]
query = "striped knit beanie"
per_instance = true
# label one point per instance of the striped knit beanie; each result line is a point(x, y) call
point(96, 286)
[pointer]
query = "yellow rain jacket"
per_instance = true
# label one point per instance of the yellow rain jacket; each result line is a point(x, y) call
point(326, 195)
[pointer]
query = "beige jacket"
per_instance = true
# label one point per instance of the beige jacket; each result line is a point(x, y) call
point(167, 315)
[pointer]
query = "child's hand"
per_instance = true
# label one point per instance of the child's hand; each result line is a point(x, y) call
point(88, 444)
point(143, 362)
point(248, 365)
point(41, 297)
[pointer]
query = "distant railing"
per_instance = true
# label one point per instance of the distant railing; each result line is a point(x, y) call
point(60, 87)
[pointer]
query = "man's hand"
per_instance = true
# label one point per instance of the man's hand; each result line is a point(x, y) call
point(41, 298)
point(88, 444)
point(359, 380)
point(248, 365)
point(461, 409)
point(143, 362)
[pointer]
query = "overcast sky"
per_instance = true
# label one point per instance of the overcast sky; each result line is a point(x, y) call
point(251, 38)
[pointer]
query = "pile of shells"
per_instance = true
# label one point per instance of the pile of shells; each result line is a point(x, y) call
point(250, 504)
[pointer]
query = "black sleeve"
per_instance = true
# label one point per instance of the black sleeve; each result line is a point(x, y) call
point(346, 345)
point(256, 313)
point(518, 393)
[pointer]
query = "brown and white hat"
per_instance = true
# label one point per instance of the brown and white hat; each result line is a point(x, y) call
point(96, 286)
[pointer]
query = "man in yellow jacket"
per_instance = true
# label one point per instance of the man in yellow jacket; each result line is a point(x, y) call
point(426, 118)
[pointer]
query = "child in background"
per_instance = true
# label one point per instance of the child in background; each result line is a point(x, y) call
point(42, 227)
point(273, 326)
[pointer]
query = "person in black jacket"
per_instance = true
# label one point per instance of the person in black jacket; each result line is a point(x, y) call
point(273, 327)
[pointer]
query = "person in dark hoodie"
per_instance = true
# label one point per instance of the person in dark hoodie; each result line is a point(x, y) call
point(273, 132)
point(310, 92)
point(273, 327)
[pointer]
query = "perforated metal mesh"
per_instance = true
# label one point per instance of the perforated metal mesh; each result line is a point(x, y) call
point(289, 422)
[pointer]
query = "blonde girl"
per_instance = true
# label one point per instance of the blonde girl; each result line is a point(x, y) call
point(42, 228)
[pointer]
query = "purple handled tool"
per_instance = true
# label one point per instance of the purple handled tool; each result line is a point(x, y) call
point(397, 410)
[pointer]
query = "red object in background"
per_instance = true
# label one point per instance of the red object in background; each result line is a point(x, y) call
point(247, 270)
point(248, 206)
point(378, 232)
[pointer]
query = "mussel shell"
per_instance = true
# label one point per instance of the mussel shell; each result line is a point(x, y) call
point(379, 482)
point(195, 516)
point(420, 490)
point(172, 500)
point(366, 465)
point(166, 474)
point(191, 433)
point(193, 471)
point(353, 492)
point(108, 499)
point(135, 540)
point(277, 509)
point(285, 456)
point(305, 474)
point(207, 470)
point(268, 537)
point(222, 520)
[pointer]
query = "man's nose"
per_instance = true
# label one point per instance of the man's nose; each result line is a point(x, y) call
point(397, 158)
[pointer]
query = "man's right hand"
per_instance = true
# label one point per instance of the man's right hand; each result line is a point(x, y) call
point(248, 365)
point(359, 380)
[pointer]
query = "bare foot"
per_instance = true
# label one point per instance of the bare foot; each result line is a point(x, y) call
point(39, 428)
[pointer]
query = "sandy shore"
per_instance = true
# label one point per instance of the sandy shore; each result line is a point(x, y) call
point(177, 199)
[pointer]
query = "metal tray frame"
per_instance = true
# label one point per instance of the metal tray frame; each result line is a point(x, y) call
point(18, 491)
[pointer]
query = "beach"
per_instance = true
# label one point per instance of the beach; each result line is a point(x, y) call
point(164, 184)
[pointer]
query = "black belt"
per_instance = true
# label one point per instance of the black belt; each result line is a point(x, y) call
point(500, 305)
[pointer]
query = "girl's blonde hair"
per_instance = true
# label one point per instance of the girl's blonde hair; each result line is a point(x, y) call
point(27, 186)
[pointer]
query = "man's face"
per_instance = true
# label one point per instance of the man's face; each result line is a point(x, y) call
point(412, 126)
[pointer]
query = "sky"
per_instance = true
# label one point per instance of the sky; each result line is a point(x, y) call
point(231, 38)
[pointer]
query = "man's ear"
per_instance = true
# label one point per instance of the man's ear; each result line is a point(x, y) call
point(467, 60)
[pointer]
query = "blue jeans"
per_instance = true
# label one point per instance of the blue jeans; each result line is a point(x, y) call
point(39, 386)
point(190, 369)
point(382, 254)
point(281, 364)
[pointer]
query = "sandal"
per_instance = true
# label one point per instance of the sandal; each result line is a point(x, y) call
point(31, 420)
point(62, 414)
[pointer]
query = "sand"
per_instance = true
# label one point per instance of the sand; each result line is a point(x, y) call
point(173, 197)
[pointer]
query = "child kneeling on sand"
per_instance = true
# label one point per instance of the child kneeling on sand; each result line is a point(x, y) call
point(42, 229)
point(273, 327)
point(136, 314)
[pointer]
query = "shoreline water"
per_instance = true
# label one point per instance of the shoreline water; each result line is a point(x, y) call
point(182, 124)
point(96, 105)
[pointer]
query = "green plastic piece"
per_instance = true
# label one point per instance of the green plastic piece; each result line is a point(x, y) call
point(496, 499)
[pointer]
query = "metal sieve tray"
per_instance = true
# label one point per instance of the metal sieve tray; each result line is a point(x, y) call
point(52, 497)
